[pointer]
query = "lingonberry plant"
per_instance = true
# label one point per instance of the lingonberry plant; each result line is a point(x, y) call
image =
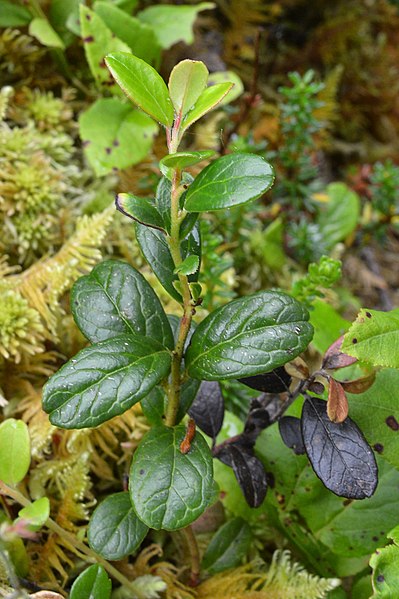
point(139, 353)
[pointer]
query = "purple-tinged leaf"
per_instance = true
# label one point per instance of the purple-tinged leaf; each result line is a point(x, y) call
point(208, 408)
point(339, 454)
point(291, 433)
point(276, 381)
point(334, 358)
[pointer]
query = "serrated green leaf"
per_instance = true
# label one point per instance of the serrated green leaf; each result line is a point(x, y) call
point(189, 266)
point(376, 412)
point(155, 248)
point(163, 20)
point(114, 529)
point(104, 380)
point(385, 578)
point(115, 299)
point(339, 216)
point(208, 100)
point(187, 81)
point(98, 41)
point(41, 29)
point(249, 336)
point(374, 338)
point(143, 85)
point(229, 181)
point(13, 15)
point(170, 489)
point(93, 583)
point(141, 210)
point(114, 135)
point(138, 36)
point(36, 513)
point(228, 546)
point(14, 451)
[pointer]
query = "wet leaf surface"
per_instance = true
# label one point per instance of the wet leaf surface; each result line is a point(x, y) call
point(339, 454)
point(276, 381)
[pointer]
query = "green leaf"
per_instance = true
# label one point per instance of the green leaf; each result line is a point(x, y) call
point(114, 135)
point(141, 210)
point(385, 579)
point(208, 100)
point(374, 338)
point(143, 85)
point(104, 380)
point(114, 529)
point(153, 406)
point(229, 181)
point(37, 513)
point(138, 36)
point(249, 336)
point(12, 15)
point(164, 20)
point(98, 41)
point(189, 266)
point(64, 17)
point(187, 81)
point(227, 77)
point(155, 248)
point(340, 215)
point(228, 546)
point(42, 31)
point(376, 413)
point(93, 583)
point(14, 451)
point(182, 160)
point(170, 489)
point(115, 299)
point(328, 325)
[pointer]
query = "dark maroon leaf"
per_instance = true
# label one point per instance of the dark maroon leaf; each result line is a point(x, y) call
point(276, 381)
point(248, 469)
point(207, 408)
point(338, 452)
point(334, 358)
point(291, 433)
point(258, 419)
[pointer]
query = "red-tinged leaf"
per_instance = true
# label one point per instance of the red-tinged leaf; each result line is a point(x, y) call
point(337, 404)
point(359, 385)
point(334, 358)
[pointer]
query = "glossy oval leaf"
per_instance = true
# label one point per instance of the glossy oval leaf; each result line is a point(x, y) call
point(14, 451)
point(229, 181)
point(114, 529)
point(156, 251)
point(115, 299)
point(115, 135)
point(187, 81)
point(143, 85)
point(208, 100)
point(182, 160)
point(208, 408)
point(153, 406)
point(249, 336)
point(374, 338)
point(228, 547)
point(170, 489)
point(338, 452)
point(104, 380)
point(140, 210)
point(92, 583)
